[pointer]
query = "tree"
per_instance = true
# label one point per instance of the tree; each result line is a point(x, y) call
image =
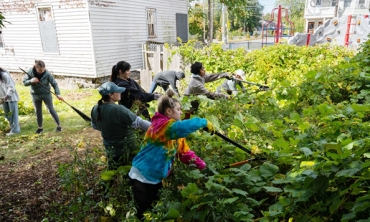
point(2, 21)
point(196, 20)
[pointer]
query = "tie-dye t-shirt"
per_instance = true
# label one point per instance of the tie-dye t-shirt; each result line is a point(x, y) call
point(164, 138)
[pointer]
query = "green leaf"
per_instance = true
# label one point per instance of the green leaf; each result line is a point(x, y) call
point(347, 173)
point(272, 189)
point(191, 188)
point(230, 200)
point(307, 151)
point(171, 214)
point(268, 170)
point(367, 155)
point(107, 175)
point(241, 192)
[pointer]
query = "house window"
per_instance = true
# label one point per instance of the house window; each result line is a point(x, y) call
point(334, 3)
point(318, 2)
point(347, 3)
point(361, 3)
point(151, 21)
point(1, 39)
point(47, 30)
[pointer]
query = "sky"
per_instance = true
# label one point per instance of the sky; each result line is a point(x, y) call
point(268, 4)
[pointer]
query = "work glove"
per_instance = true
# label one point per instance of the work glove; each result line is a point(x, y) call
point(2, 100)
point(229, 76)
point(210, 128)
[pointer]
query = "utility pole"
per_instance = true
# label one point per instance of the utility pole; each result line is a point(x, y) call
point(210, 21)
point(336, 9)
point(224, 29)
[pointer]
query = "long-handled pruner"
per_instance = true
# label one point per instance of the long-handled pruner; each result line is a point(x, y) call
point(233, 142)
point(83, 115)
point(261, 87)
point(243, 162)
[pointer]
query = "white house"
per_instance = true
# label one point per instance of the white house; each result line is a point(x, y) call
point(85, 38)
point(318, 11)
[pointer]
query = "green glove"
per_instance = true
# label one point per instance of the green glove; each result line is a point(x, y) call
point(210, 128)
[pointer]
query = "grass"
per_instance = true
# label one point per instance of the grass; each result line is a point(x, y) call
point(27, 143)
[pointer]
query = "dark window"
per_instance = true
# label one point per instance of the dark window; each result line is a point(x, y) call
point(347, 3)
point(182, 26)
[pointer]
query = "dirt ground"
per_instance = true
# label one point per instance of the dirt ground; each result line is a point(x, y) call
point(27, 187)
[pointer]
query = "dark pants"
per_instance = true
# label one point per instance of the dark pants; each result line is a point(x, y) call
point(144, 195)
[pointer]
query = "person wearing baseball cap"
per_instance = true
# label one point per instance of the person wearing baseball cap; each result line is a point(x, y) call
point(230, 86)
point(116, 124)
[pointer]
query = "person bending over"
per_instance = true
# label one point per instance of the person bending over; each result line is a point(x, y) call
point(164, 140)
point(165, 79)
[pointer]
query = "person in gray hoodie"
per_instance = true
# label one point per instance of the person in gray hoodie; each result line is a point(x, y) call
point(40, 80)
point(9, 98)
point(165, 79)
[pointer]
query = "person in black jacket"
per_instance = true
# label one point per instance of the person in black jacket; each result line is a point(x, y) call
point(121, 77)
point(165, 79)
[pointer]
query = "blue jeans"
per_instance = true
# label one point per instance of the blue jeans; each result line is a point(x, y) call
point(11, 114)
point(154, 86)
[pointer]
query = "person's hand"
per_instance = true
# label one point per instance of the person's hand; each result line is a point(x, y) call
point(60, 97)
point(210, 128)
point(2, 100)
point(34, 80)
point(229, 76)
point(157, 96)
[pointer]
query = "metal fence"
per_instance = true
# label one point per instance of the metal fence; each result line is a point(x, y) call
point(249, 46)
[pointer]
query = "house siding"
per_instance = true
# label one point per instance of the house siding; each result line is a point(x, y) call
point(23, 42)
point(120, 29)
point(92, 35)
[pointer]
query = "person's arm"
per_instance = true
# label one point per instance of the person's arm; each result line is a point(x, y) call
point(141, 124)
point(27, 79)
point(182, 128)
point(93, 118)
point(199, 89)
point(214, 77)
point(10, 87)
point(54, 84)
point(241, 86)
point(188, 156)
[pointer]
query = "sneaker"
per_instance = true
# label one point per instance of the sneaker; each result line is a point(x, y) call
point(10, 134)
point(39, 131)
point(58, 129)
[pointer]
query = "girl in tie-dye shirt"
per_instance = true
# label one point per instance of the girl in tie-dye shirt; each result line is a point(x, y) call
point(163, 141)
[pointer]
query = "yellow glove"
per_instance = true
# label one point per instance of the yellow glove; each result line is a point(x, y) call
point(210, 128)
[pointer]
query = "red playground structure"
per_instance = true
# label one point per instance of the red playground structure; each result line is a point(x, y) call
point(277, 30)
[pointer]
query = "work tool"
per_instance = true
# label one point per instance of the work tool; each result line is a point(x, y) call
point(83, 115)
point(261, 87)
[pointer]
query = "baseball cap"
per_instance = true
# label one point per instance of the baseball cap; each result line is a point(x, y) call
point(110, 87)
point(240, 73)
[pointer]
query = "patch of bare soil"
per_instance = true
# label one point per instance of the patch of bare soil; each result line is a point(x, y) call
point(29, 186)
point(75, 96)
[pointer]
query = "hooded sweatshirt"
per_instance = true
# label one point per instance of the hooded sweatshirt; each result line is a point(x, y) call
point(163, 140)
point(169, 77)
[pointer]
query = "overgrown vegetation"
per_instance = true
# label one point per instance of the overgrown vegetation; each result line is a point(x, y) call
point(312, 126)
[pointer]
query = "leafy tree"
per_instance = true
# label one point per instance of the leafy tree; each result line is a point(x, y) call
point(2, 20)
point(196, 20)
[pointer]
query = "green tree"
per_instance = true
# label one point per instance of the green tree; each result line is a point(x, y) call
point(196, 20)
point(2, 21)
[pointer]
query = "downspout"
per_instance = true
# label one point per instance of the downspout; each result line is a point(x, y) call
point(91, 39)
